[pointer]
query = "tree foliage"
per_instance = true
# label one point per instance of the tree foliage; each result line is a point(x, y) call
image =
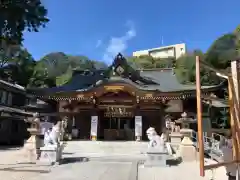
point(222, 51)
point(17, 16)
point(148, 62)
point(58, 67)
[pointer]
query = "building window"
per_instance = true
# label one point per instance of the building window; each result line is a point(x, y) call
point(15, 127)
point(3, 97)
point(17, 100)
point(9, 101)
point(73, 122)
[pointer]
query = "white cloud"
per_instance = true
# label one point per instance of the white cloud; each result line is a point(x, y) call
point(119, 44)
point(99, 43)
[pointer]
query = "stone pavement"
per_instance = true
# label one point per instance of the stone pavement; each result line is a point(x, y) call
point(184, 171)
point(12, 167)
point(99, 167)
point(89, 171)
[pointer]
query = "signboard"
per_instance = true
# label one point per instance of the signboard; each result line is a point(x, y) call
point(94, 125)
point(138, 125)
point(174, 106)
point(113, 88)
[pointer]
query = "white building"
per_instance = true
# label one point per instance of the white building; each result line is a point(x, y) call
point(172, 51)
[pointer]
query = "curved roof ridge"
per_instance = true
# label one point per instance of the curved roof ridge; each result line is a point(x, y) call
point(156, 69)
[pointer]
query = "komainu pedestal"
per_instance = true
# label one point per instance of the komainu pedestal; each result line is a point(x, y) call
point(51, 154)
point(176, 138)
point(31, 148)
point(157, 153)
point(156, 158)
point(187, 150)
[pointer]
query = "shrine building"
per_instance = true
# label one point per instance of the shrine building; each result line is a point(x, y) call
point(120, 102)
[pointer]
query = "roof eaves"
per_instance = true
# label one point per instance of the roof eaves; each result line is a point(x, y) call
point(17, 86)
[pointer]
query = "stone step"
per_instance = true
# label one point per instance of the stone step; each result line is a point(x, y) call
point(106, 147)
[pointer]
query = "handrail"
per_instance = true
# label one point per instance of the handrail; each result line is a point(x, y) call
point(211, 145)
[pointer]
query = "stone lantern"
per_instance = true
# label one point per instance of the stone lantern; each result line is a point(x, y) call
point(32, 145)
point(187, 149)
point(185, 125)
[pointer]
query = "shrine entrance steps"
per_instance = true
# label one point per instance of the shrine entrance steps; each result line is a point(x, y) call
point(106, 148)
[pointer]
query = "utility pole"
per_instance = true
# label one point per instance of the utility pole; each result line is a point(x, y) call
point(162, 40)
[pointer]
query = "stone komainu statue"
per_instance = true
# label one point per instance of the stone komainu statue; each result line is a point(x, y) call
point(155, 141)
point(51, 137)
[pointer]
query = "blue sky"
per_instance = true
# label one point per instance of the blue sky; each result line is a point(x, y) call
point(101, 28)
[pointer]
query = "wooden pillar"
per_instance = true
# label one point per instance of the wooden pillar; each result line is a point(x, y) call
point(64, 125)
point(163, 119)
point(234, 83)
point(199, 117)
point(233, 119)
point(234, 110)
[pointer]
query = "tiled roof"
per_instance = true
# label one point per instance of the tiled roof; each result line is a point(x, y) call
point(167, 81)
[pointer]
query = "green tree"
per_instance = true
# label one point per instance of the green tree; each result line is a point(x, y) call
point(17, 64)
point(40, 76)
point(144, 62)
point(55, 64)
point(237, 34)
point(222, 51)
point(163, 62)
point(148, 62)
point(24, 67)
point(17, 16)
point(57, 67)
point(64, 78)
point(8, 53)
point(185, 68)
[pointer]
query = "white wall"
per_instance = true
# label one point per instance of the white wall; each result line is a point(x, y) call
point(163, 53)
point(176, 51)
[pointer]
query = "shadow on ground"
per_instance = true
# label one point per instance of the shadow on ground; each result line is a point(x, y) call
point(69, 160)
point(5, 147)
point(169, 162)
point(174, 162)
point(68, 153)
point(25, 168)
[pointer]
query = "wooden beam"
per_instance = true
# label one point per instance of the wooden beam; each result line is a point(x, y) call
point(199, 117)
point(212, 166)
point(209, 67)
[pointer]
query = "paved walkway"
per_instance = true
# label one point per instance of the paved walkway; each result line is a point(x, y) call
point(120, 167)
point(12, 167)
point(89, 171)
point(184, 171)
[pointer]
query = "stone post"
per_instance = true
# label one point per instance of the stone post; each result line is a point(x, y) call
point(94, 127)
point(138, 128)
point(63, 126)
point(187, 149)
point(176, 138)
